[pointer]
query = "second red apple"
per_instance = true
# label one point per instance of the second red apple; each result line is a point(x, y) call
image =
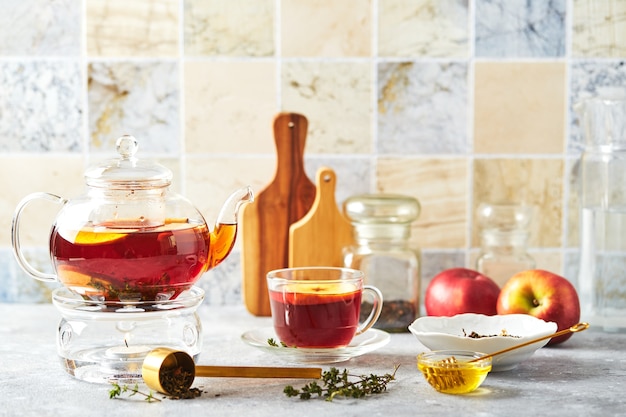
point(460, 290)
point(542, 294)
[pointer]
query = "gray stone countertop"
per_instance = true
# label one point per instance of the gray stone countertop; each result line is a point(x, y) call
point(583, 377)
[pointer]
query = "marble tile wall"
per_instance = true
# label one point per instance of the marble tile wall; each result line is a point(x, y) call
point(455, 102)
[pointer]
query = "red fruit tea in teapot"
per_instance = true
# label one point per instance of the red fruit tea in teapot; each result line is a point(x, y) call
point(120, 263)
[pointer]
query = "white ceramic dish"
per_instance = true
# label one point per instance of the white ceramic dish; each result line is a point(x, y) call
point(451, 333)
point(367, 342)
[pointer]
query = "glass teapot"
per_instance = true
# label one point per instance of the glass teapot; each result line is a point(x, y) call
point(129, 238)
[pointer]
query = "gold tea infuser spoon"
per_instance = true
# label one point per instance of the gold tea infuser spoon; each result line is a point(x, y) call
point(170, 371)
point(447, 374)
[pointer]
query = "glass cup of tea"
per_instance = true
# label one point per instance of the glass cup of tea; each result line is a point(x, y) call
point(320, 307)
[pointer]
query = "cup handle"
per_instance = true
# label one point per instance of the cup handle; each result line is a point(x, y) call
point(376, 309)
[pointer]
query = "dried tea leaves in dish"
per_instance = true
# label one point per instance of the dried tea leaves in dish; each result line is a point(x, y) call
point(475, 335)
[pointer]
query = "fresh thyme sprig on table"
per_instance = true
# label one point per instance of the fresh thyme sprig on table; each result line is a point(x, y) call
point(337, 383)
point(118, 389)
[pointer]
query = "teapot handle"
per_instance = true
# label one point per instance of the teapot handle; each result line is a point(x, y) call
point(15, 235)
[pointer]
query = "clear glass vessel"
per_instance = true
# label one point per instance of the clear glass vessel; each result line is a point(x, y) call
point(601, 279)
point(382, 227)
point(504, 241)
point(103, 342)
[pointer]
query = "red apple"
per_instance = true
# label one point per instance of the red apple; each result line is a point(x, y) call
point(544, 295)
point(459, 290)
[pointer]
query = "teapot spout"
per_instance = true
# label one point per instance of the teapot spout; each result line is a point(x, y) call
point(230, 209)
point(225, 231)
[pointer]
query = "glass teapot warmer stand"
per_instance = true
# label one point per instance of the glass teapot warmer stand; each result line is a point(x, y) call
point(105, 342)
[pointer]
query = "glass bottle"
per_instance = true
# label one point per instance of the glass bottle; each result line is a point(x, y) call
point(382, 227)
point(601, 279)
point(504, 239)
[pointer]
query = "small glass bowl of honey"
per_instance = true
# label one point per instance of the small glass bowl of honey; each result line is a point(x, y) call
point(454, 371)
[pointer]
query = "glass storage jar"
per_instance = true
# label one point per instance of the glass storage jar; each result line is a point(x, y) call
point(382, 227)
point(504, 240)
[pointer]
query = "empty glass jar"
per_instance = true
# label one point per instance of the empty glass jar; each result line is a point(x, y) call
point(382, 227)
point(504, 240)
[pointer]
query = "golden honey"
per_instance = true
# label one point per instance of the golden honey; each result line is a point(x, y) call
point(451, 373)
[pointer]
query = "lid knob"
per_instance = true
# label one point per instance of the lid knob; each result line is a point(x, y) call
point(127, 146)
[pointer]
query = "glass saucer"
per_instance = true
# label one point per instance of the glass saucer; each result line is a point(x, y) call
point(364, 343)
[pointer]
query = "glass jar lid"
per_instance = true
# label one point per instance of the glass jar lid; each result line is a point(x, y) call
point(504, 217)
point(127, 171)
point(381, 209)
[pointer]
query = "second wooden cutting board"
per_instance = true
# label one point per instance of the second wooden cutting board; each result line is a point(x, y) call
point(319, 237)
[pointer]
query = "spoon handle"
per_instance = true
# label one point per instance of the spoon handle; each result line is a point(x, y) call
point(257, 372)
point(575, 328)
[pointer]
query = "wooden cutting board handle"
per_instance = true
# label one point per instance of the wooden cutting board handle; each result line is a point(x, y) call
point(320, 236)
point(265, 223)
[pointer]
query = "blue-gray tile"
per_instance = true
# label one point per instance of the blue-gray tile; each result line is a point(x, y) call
point(40, 106)
point(571, 266)
point(17, 285)
point(433, 262)
point(222, 284)
point(40, 27)
point(590, 79)
point(520, 28)
point(422, 108)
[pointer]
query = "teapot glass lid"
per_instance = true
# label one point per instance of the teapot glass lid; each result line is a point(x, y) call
point(127, 171)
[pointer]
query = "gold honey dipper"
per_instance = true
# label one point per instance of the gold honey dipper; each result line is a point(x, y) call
point(162, 366)
point(451, 376)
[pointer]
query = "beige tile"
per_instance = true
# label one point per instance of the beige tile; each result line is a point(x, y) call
point(229, 107)
point(519, 107)
point(325, 28)
point(598, 28)
point(23, 175)
point(432, 28)
point(211, 180)
point(174, 165)
point(229, 28)
point(550, 260)
point(138, 98)
point(536, 182)
point(572, 179)
point(440, 185)
point(336, 99)
point(132, 28)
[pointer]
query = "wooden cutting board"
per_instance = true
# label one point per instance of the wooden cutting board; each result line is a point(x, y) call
point(265, 223)
point(319, 237)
